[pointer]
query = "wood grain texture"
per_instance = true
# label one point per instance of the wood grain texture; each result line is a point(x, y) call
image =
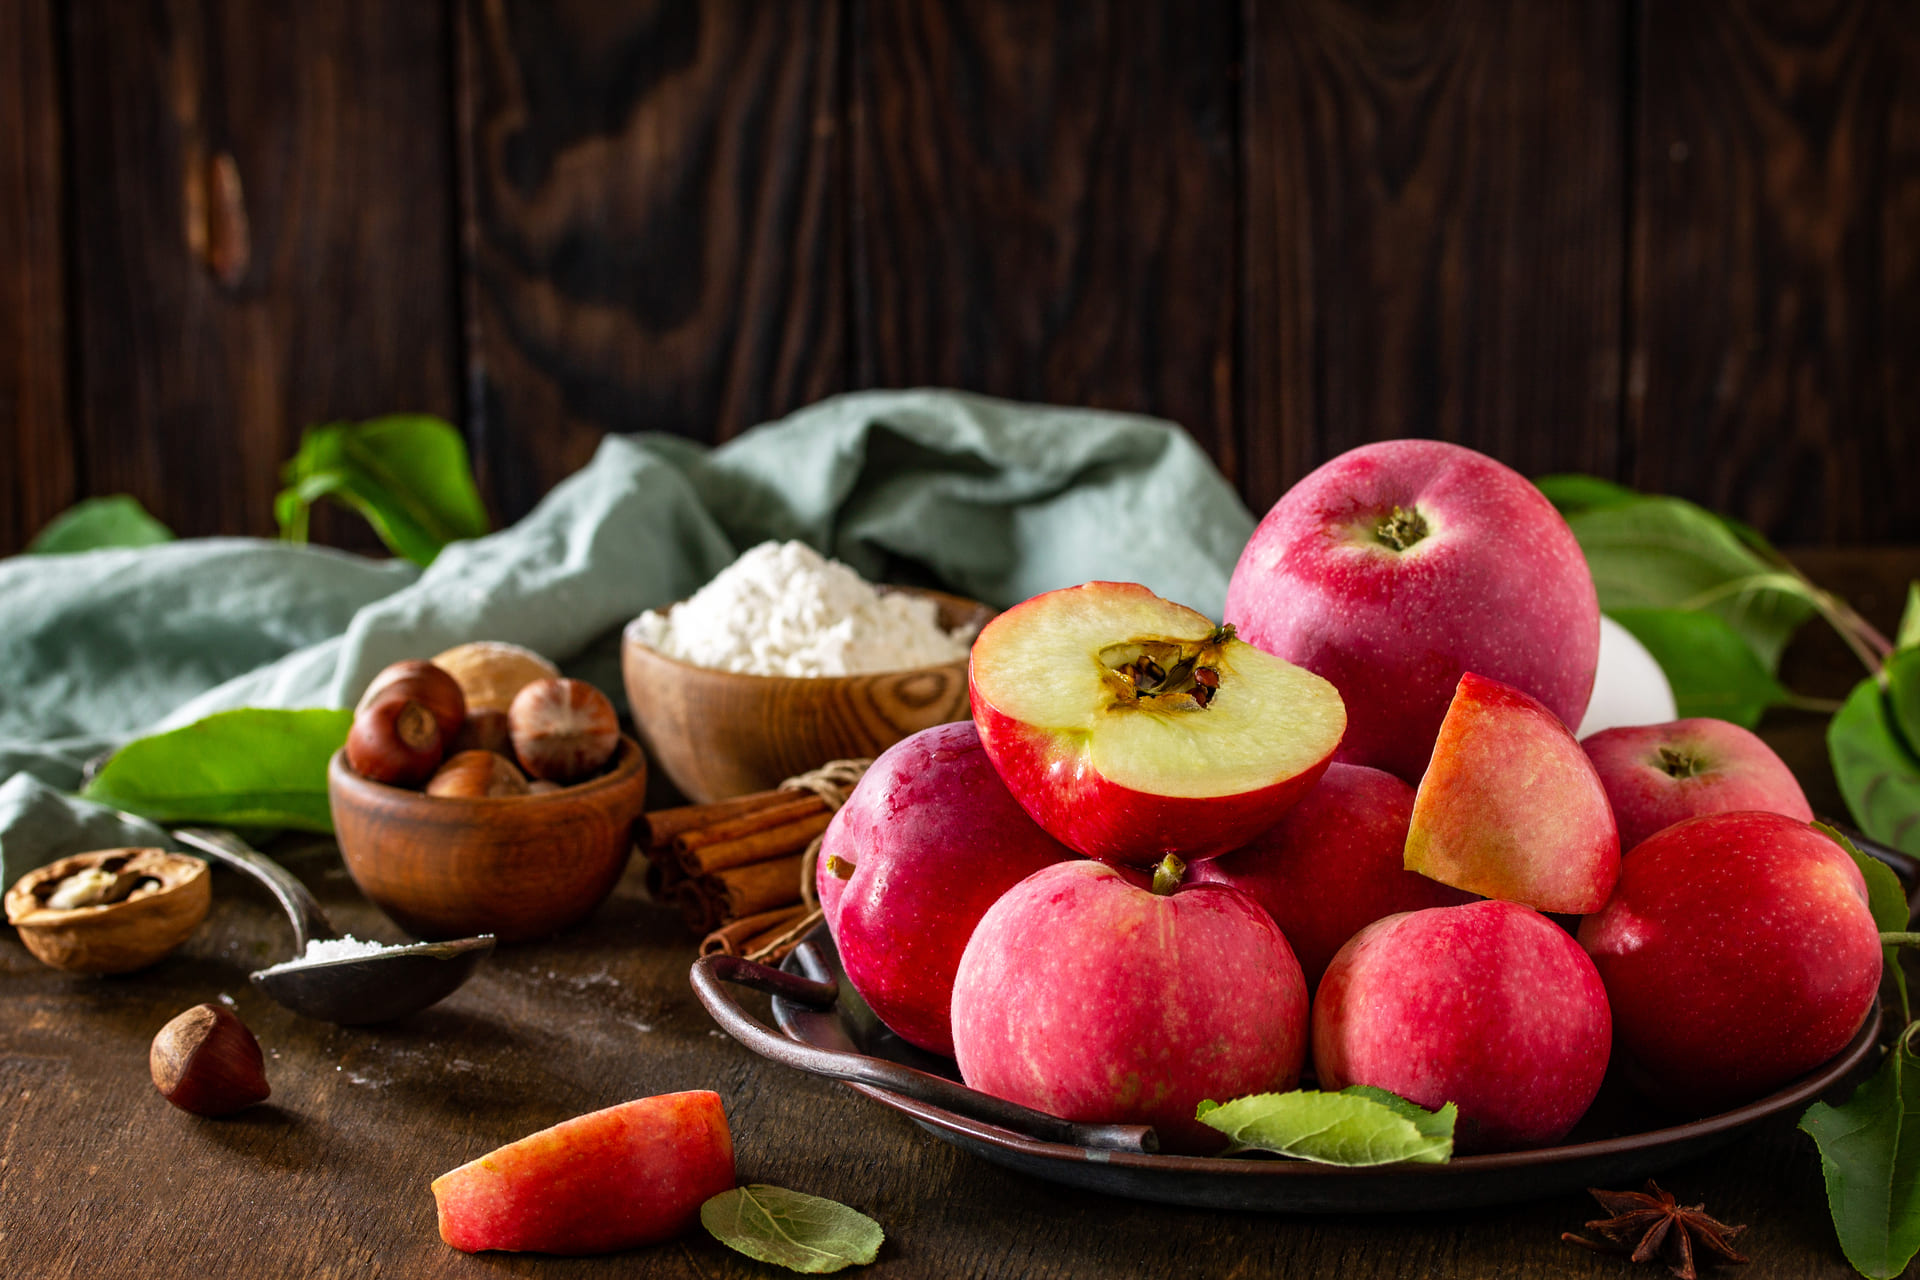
point(653, 223)
point(1434, 242)
point(1776, 367)
point(1044, 204)
point(263, 231)
point(329, 1177)
point(36, 450)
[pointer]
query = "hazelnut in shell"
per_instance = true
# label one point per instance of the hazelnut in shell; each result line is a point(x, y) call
point(396, 740)
point(563, 730)
point(110, 911)
point(207, 1062)
point(477, 775)
point(491, 672)
point(484, 730)
point(427, 685)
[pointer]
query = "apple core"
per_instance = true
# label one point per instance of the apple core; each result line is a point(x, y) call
point(1401, 528)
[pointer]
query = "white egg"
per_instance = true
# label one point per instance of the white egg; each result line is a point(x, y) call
point(1628, 687)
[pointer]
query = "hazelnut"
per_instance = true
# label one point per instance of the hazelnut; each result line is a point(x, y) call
point(563, 730)
point(475, 775)
point(485, 730)
point(207, 1062)
point(396, 740)
point(110, 911)
point(427, 685)
point(491, 672)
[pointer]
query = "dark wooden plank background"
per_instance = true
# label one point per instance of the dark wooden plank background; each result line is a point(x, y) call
point(1676, 245)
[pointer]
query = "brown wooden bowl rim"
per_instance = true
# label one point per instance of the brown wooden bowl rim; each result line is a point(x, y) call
point(629, 760)
point(629, 640)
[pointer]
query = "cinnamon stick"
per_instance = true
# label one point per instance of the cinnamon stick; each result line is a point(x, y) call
point(757, 886)
point(775, 842)
point(663, 876)
point(778, 815)
point(732, 938)
point(700, 906)
point(772, 946)
point(664, 824)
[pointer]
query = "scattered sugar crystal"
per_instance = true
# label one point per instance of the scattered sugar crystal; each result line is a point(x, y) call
point(783, 609)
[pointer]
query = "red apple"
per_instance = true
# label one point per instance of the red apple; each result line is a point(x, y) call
point(1738, 953)
point(1397, 567)
point(1490, 1006)
point(629, 1175)
point(928, 840)
point(1660, 774)
point(1332, 864)
point(1131, 727)
point(1511, 808)
point(1089, 995)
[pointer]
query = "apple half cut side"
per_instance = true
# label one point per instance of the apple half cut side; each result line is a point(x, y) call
point(1511, 808)
point(1131, 727)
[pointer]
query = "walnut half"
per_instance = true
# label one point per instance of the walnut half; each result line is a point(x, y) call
point(110, 911)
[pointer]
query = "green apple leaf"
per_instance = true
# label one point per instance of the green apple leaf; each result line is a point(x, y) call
point(1572, 492)
point(1355, 1127)
point(792, 1230)
point(251, 767)
point(1878, 774)
point(1908, 636)
point(1886, 900)
point(1664, 553)
point(1870, 1155)
point(1712, 670)
point(90, 525)
point(1903, 695)
point(408, 474)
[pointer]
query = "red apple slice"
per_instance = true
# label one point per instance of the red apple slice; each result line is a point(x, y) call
point(629, 1175)
point(1511, 807)
point(1131, 727)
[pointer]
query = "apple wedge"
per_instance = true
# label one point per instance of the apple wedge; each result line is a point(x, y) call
point(1510, 806)
point(629, 1175)
point(1131, 727)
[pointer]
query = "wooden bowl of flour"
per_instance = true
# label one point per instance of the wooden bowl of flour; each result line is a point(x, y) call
point(723, 733)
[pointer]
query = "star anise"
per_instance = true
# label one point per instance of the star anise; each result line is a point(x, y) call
point(1650, 1223)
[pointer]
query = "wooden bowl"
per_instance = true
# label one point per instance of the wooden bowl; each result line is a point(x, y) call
point(722, 733)
point(518, 867)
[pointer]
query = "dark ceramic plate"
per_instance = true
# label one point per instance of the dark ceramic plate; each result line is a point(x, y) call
point(1618, 1142)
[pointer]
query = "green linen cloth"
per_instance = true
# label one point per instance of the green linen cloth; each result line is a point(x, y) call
point(987, 498)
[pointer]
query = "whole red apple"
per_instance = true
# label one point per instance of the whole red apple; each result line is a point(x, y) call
point(1490, 1006)
point(929, 839)
point(1738, 953)
point(1660, 774)
point(1131, 727)
point(1086, 993)
point(629, 1175)
point(1331, 866)
point(1510, 807)
point(1398, 566)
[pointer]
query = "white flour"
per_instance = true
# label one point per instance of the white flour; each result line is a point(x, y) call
point(783, 609)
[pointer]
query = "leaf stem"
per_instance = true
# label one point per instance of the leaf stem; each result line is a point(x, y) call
point(1900, 939)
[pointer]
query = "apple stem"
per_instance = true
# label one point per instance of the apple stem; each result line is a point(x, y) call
point(840, 868)
point(1893, 939)
point(1167, 876)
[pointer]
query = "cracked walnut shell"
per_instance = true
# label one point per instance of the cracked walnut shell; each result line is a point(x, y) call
point(110, 911)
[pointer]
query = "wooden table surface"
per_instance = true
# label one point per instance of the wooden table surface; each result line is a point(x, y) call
point(99, 1177)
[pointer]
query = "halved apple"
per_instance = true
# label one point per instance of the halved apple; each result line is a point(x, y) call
point(1131, 727)
point(1510, 806)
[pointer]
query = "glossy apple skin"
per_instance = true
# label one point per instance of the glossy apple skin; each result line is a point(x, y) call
point(1739, 953)
point(1722, 768)
point(629, 1175)
point(935, 838)
point(1511, 807)
point(1497, 586)
point(1084, 994)
point(1332, 865)
point(1490, 1006)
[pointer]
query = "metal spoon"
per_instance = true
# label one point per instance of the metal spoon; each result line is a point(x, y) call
point(354, 990)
